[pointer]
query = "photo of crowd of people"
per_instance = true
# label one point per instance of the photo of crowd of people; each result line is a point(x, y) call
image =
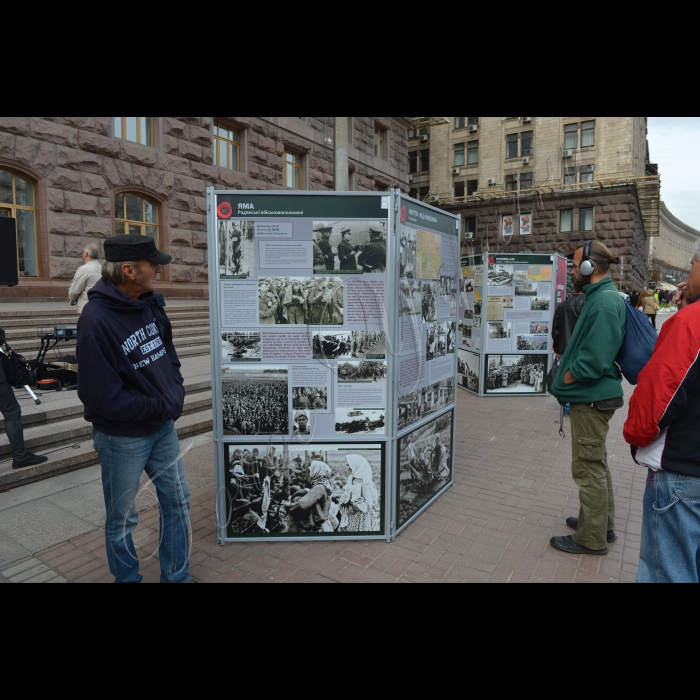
point(237, 249)
point(540, 304)
point(539, 328)
point(241, 347)
point(469, 370)
point(516, 374)
point(437, 396)
point(326, 489)
point(301, 300)
point(501, 275)
point(526, 289)
point(332, 346)
point(530, 343)
point(310, 398)
point(368, 371)
point(411, 297)
point(364, 421)
point(351, 247)
point(409, 252)
point(371, 344)
point(425, 459)
point(430, 301)
point(499, 331)
point(255, 400)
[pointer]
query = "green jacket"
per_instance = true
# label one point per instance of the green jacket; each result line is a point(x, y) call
point(594, 347)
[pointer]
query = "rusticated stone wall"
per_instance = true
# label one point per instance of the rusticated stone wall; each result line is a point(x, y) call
point(78, 167)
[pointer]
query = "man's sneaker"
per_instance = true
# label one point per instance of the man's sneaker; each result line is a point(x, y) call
point(573, 524)
point(29, 461)
point(568, 546)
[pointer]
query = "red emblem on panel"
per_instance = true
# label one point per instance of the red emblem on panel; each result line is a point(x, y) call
point(225, 210)
point(492, 261)
point(404, 215)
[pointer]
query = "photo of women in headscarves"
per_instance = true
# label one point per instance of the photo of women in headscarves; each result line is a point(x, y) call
point(297, 489)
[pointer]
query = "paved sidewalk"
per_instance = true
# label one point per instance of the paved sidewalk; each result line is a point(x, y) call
point(513, 492)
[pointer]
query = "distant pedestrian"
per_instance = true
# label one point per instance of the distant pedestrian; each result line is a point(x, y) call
point(86, 277)
point(590, 380)
point(649, 305)
point(634, 299)
point(565, 319)
point(133, 392)
point(663, 429)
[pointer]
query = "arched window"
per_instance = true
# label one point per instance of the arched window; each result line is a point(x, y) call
point(18, 201)
point(136, 216)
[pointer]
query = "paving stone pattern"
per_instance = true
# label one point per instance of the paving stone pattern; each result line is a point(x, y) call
point(513, 492)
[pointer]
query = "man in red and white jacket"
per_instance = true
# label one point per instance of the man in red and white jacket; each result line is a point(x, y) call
point(664, 429)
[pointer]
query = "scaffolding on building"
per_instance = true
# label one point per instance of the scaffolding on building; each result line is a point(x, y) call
point(427, 122)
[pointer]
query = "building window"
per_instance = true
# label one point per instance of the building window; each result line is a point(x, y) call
point(227, 147)
point(424, 161)
point(292, 170)
point(571, 137)
point(470, 227)
point(511, 146)
point(379, 142)
point(566, 222)
point(587, 173)
point(459, 155)
point(586, 220)
point(473, 153)
point(136, 216)
point(472, 187)
point(569, 176)
point(18, 201)
point(423, 193)
point(511, 183)
point(459, 189)
point(588, 134)
point(526, 181)
point(136, 129)
point(527, 143)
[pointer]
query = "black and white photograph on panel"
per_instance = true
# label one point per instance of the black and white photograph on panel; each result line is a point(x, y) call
point(302, 423)
point(425, 466)
point(411, 297)
point(350, 247)
point(526, 289)
point(255, 400)
point(500, 330)
point(478, 307)
point(360, 421)
point(236, 250)
point(468, 286)
point(332, 345)
point(241, 347)
point(410, 409)
point(437, 396)
point(501, 275)
point(539, 328)
point(313, 398)
point(442, 339)
point(477, 320)
point(468, 315)
point(469, 370)
point(516, 374)
point(533, 343)
point(431, 290)
point(409, 252)
point(451, 337)
point(365, 372)
point(447, 286)
point(522, 274)
point(300, 301)
point(369, 345)
point(432, 337)
point(466, 332)
point(540, 304)
point(294, 490)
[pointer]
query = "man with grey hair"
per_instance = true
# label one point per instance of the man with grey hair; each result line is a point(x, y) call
point(86, 277)
point(132, 388)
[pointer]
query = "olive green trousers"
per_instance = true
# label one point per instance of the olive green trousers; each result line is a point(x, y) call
point(591, 471)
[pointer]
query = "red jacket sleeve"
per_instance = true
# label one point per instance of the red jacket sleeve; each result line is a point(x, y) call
point(660, 396)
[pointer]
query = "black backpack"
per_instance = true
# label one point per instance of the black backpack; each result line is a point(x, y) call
point(17, 369)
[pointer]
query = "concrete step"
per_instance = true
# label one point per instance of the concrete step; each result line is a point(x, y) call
point(67, 430)
point(48, 322)
point(67, 459)
point(29, 332)
point(70, 312)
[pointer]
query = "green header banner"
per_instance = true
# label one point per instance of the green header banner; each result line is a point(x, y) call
point(520, 259)
point(274, 205)
point(413, 213)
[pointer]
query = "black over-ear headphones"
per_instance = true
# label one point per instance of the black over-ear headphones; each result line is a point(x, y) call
point(587, 266)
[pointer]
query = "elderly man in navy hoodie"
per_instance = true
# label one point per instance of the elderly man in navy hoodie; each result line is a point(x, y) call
point(133, 391)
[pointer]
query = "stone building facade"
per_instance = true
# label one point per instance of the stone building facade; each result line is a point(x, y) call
point(672, 252)
point(74, 180)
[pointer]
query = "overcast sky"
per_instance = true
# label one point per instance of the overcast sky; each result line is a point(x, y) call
point(675, 145)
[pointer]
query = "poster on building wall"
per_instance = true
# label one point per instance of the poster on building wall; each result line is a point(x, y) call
point(526, 225)
point(508, 226)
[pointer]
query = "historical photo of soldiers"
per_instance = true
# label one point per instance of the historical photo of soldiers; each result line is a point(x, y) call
point(237, 249)
point(478, 307)
point(332, 346)
point(410, 409)
point(241, 347)
point(369, 344)
point(411, 297)
point(477, 320)
point(352, 247)
point(430, 301)
point(301, 301)
point(469, 370)
point(466, 332)
point(303, 490)
point(432, 348)
point(360, 421)
point(516, 374)
point(451, 337)
point(310, 398)
point(540, 304)
point(367, 372)
point(437, 396)
point(409, 252)
point(500, 331)
point(425, 465)
point(302, 423)
point(530, 343)
point(255, 400)
point(501, 275)
point(526, 289)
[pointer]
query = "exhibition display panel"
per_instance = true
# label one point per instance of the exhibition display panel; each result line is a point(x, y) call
point(314, 354)
point(505, 333)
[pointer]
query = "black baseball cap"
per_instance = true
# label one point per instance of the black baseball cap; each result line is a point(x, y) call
point(134, 248)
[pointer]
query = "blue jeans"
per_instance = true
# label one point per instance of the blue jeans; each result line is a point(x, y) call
point(671, 530)
point(123, 461)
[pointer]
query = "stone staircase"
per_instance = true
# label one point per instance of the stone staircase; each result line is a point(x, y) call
point(57, 427)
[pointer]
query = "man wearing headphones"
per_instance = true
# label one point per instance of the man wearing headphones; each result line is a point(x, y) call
point(590, 381)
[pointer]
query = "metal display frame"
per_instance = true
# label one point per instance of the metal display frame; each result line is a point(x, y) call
point(389, 441)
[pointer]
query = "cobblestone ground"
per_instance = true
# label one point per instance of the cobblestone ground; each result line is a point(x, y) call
point(513, 492)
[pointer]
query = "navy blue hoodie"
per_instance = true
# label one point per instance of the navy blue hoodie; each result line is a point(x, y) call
point(129, 377)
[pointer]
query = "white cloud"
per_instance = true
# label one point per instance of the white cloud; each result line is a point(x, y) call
point(674, 144)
